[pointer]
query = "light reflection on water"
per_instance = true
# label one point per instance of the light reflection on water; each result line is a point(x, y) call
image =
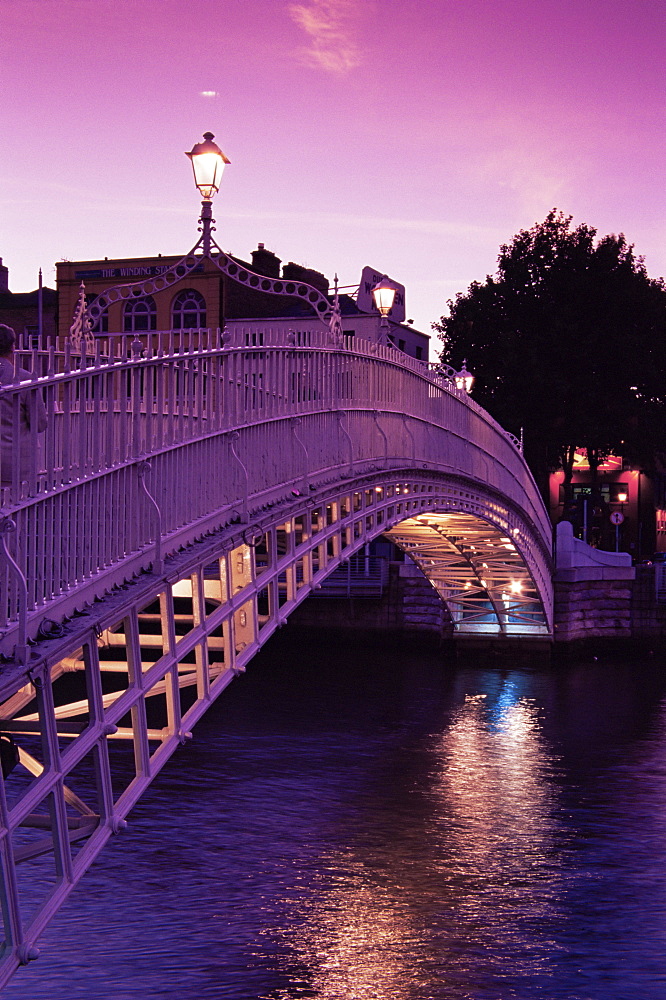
point(496, 806)
point(480, 869)
point(356, 822)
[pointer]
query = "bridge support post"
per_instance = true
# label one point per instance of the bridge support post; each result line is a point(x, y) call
point(342, 415)
point(305, 482)
point(233, 438)
point(143, 468)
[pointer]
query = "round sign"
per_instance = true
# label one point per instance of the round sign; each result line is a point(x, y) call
point(617, 517)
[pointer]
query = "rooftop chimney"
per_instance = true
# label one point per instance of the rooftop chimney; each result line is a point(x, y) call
point(265, 262)
point(296, 272)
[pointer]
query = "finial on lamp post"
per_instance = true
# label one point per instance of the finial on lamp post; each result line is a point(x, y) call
point(335, 322)
point(81, 329)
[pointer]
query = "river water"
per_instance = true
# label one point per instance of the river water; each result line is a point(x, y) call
point(355, 818)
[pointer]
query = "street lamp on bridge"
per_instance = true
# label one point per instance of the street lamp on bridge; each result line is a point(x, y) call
point(383, 294)
point(463, 379)
point(208, 163)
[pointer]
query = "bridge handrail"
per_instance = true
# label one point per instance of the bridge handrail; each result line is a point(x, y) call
point(164, 348)
point(128, 353)
point(162, 345)
point(247, 335)
point(142, 398)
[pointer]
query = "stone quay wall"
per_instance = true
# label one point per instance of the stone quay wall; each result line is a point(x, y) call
point(614, 609)
point(592, 608)
point(648, 613)
point(600, 595)
point(593, 590)
point(409, 604)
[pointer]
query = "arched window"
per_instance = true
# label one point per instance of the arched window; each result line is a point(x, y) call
point(101, 325)
point(188, 311)
point(140, 315)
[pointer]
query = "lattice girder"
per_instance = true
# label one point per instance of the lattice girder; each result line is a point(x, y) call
point(476, 569)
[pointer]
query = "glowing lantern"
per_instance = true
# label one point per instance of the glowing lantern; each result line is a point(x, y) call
point(208, 162)
point(384, 293)
point(463, 379)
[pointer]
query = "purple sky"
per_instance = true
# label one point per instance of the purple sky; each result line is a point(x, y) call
point(412, 136)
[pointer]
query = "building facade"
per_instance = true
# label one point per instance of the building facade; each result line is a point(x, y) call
point(32, 315)
point(622, 509)
point(205, 298)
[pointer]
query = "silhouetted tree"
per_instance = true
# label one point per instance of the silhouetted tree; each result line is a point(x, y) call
point(567, 341)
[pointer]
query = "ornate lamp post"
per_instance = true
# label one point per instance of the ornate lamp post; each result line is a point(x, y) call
point(463, 379)
point(383, 294)
point(208, 163)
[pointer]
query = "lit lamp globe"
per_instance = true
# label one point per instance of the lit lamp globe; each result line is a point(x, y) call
point(463, 379)
point(383, 294)
point(208, 163)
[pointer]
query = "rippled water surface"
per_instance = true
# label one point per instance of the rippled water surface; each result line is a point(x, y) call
point(355, 819)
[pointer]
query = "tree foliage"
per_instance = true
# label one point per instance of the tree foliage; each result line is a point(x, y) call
point(568, 342)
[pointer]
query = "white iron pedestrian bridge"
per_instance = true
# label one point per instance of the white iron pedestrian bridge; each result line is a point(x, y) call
point(189, 492)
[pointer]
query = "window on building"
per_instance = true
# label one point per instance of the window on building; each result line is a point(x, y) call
point(102, 324)
point(418, 353)
point(140, 315)
point(188, 311)
point(401, 345)
point(610, 493)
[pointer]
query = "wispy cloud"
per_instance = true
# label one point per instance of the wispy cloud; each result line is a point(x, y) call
point(464, 231)
point(517, 154)
point(537, 181)
point(332, 29)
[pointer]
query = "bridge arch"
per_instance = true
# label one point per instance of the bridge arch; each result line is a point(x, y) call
point(484, 559)
point(216, 603)
point(180, 635)
point(258, 420)
point(193, 495)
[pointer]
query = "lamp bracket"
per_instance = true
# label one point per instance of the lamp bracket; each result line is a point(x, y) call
point(447, 371)
point(207, 249)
